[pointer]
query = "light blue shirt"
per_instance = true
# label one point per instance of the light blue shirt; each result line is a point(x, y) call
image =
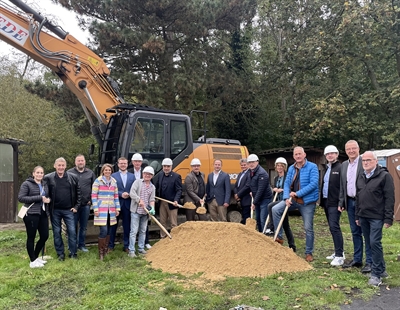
point(326, 182)
point(124, 176)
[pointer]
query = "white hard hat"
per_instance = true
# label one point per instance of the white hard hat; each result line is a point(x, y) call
point(280, 160)
point(148, 169)
point(167, 162)
point(252, 157)
point(137, 156)
point(195, 162)
point(331, 149)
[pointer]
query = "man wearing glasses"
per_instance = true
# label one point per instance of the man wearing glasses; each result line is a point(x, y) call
point(351, 170)
point(374, 209)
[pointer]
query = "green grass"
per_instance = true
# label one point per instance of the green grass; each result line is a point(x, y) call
point(125, 283)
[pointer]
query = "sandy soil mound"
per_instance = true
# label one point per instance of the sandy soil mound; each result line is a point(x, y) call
point(222, 249)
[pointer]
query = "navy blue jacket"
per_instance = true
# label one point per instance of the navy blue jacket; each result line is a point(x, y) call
point(169, 187)
point(220, 191)
point(125, 203)
point(259, 185)
point(243, 190)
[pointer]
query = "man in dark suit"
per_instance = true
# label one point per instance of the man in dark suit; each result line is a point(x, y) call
point(124, 180)
point(241, 190)
point(218, 191)
point(351, 170)
point(169, 187)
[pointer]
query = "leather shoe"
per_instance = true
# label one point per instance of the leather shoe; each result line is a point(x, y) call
point(352, 264)
point(279, 240)
point(61, 257)
point(366, 269)
point(309, 258)
point(126, 250)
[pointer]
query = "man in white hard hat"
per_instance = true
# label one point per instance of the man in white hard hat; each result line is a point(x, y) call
point(351, 170)
point(137, 161)
point(260, 190)
point(330, 191)
point(169, 187)
point(301, 185)
point(142, 195)
point(195, 190)
point(218, 192)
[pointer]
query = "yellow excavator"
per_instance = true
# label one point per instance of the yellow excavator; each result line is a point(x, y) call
point(120, 128)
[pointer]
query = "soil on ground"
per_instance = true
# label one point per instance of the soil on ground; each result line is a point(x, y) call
point(222, 249)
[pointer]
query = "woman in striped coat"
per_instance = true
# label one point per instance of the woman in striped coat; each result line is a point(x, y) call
point(105, 206)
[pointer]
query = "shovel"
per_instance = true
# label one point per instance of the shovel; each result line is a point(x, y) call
point(187, 205)
point(158, 223)
point(267, 221)
point(201, 209)
point(282, 219)
point(250, 221)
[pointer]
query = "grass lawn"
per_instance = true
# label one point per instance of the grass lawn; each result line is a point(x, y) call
point(121, 282)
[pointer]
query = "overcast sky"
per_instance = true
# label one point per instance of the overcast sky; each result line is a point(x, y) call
point(56, 13)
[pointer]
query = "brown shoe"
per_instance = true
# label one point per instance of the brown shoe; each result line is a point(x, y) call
point(126, 250)
point(309, 258)
point(279, 240)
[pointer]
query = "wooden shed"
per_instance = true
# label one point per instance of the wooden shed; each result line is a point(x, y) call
point(9, 180)
point(391, 160)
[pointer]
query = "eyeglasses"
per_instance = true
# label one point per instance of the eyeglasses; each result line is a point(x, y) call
point(367, 160)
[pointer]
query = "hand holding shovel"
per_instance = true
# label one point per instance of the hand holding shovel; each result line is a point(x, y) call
point(282, 218)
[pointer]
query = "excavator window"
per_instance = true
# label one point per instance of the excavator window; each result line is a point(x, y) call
point(178, 137)
point(148, 140)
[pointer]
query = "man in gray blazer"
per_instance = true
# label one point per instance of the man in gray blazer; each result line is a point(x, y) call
point(218, 192)
point(351, 170)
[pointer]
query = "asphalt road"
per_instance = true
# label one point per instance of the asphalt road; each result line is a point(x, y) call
point(383, 300)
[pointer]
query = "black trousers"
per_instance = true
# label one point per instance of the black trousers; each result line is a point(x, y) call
point(36, 223)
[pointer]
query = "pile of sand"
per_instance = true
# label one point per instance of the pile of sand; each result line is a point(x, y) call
point(219, 249)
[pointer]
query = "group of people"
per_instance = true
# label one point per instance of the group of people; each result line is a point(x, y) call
point(359, 186)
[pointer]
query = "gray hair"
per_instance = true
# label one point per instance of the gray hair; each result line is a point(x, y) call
point(373, 154)
point(243, 160)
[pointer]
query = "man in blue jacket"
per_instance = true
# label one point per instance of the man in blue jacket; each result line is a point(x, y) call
point(260, 190)
point(218, 191)
point(169, 187)
point(124, 180)
point(301, 185)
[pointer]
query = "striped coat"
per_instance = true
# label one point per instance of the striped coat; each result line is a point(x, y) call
point(105, 200)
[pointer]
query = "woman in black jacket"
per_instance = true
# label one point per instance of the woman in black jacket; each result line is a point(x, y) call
point(34, 194)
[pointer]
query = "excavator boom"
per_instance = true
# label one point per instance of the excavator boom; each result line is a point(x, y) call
point(82, 71)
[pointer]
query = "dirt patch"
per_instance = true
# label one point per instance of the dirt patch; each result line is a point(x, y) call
point(12, 226)
point(219, 249)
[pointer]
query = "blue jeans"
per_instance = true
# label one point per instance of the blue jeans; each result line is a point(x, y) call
point(68, 217)
point(138, 224)
point(81, 217)
point(372, 230)
point(261, 214)
point(307, 213)
point(357, 235)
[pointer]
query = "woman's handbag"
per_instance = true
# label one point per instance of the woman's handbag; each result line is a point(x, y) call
point(24, 210)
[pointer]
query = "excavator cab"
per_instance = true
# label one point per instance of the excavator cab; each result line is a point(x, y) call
point(154, 133)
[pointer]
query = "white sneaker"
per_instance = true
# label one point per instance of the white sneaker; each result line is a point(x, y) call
point(35, 264)
point(337, 261)
point(148, 246)
point(331, 256)
point(132, 254)
point(43, 262)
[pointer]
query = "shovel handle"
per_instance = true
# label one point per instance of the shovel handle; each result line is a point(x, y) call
point(158, 223)
point(282, 219)
point(169, 201)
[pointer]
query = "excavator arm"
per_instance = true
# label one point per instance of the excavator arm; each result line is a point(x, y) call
point(81, 70)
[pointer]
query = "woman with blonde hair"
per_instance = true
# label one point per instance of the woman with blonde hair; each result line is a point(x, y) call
point(34, 194)
point(105, 206)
